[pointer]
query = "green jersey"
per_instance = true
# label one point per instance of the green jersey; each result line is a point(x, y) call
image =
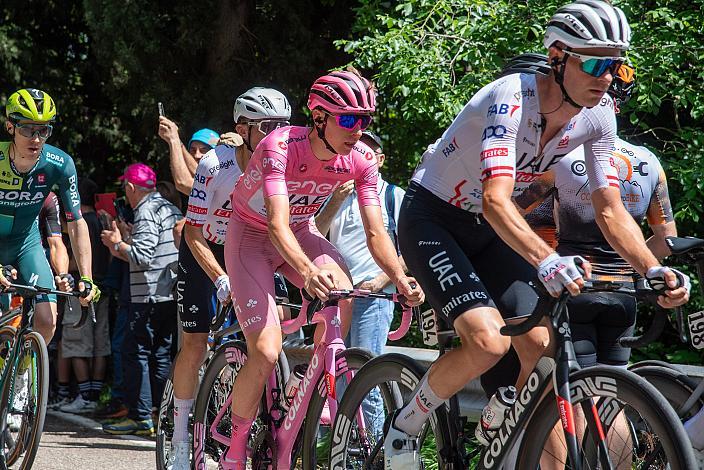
point(22, 194)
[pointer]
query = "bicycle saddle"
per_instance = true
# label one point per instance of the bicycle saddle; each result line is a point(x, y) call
point(682, 245)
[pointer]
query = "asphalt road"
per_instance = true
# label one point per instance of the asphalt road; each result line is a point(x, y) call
point(71, 443)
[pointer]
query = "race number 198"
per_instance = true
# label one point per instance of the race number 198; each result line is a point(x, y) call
point(696, 329)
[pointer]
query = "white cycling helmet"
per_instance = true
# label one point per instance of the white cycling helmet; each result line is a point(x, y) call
point(262, 103)
point(589, 23)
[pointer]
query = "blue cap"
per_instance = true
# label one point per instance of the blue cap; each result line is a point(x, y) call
point(207, 136)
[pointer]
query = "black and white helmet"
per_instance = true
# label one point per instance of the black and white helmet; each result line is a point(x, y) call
point(262, 103)
point(527, 63)
point(589, 23)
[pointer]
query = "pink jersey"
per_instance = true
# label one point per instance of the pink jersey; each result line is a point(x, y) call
point(284, 163)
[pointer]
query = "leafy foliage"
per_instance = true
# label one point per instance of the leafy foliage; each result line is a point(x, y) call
point(429, 57)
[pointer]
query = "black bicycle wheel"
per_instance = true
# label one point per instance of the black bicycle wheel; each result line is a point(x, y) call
point(165, 423)
point(641, 428)
point(394, 377)
point(348, 362)
point(214, 390)
point(675, 386)
point(31, 382)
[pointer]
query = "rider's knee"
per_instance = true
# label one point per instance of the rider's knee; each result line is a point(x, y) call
point(194, 347)
point(265, 355)
point(45, 318)
point(490, 342)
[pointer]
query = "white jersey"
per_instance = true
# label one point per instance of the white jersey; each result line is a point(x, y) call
point(209, 204)
point(643, 191)
point(498, 134)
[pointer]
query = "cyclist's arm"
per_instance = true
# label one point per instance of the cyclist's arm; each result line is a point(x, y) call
point(80, 244)
point(58, 255)
point(202, 252)
point(536, 193)
point(380, 245)
point(621, 230)
point(282, 237)
point(661, 218)
point(504, 217)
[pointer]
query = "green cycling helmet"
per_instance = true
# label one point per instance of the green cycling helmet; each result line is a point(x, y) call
point(31, 104)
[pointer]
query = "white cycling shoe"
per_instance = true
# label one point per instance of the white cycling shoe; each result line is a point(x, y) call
point(180, 456)
point(400, 449)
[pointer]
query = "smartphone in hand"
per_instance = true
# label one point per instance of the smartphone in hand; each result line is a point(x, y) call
point(104, 220)
point(161, 108)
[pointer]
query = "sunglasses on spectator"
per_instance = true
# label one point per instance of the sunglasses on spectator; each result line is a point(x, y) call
point(596, 66)
point(350, 121)
point(43, 131)
point(267, 126)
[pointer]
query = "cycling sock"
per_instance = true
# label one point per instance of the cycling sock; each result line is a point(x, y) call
point(96, 386)
point(182, 408)
point(84, 389)
point(411, 418)
point(695, 430)
point(63, 391)
point(238, 441)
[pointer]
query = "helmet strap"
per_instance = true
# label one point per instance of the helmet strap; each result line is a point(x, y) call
point(321, 135)
point(249, 138)
point(559, 74)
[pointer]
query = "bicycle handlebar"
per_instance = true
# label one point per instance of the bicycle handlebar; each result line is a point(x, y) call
point(34, 291)
point(311, 305)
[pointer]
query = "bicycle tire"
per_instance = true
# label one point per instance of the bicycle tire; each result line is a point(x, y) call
point(164, 421)
point(396, 375)
point(349, 359)
point(626, 387)
point(674, 386)
point(228, 359)
point(32, 424)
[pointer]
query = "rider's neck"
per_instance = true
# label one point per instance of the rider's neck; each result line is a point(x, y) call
point(242, 156)
point(23, 159)
point(320, 151)
point(556, 110)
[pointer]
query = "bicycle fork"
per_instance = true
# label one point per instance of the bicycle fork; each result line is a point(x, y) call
point(566, 361)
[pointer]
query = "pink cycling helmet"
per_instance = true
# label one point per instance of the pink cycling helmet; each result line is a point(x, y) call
point(342, 92)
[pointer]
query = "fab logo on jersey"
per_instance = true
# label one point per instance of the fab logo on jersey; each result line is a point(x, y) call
point(503, 108)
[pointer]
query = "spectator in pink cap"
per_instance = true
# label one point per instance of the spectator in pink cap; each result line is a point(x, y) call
point(152, 256)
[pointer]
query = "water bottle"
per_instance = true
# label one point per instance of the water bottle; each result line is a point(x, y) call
point(292, 384)
point(493, 414)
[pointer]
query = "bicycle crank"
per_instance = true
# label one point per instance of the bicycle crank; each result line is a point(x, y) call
point(263, 451)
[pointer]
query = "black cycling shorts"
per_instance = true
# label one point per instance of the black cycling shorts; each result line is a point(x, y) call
point(460, 261)
point(597, 322)
point(196, 294)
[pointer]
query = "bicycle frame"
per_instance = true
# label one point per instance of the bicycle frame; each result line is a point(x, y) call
point(323, 363)
point(530, 396)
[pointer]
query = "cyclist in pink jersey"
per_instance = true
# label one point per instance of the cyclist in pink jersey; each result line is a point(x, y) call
point(292, 172)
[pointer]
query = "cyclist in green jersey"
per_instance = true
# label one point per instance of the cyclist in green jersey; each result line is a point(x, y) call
point(29, 168)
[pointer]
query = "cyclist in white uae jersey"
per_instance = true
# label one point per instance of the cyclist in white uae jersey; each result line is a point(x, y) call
point(464, 239)
point(201, 260)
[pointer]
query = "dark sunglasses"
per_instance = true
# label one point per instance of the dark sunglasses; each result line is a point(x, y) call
point(350, 121)
point(596, 66)
point(43, 131)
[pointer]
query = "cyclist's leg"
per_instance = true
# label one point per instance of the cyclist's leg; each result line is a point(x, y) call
point(508, 285)
point(33, 268)
point(194, 291)
point(453, 289)
point(250, 260)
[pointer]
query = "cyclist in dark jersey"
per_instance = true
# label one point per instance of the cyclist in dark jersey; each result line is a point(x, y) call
point(29, 168)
